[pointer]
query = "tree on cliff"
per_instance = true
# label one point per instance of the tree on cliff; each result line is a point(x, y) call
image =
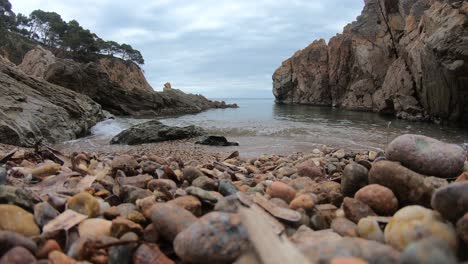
point(48, 26)
point(50, 29)
point(7, 17)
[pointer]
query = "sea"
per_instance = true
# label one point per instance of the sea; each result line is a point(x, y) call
point(261, 126)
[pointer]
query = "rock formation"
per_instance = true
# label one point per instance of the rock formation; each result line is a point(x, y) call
point(401, 57)
point(119, 87)
point(32, 109)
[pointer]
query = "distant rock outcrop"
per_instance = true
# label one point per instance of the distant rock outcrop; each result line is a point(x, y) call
point(407, 58)
point(119, 87)
point(32, 110)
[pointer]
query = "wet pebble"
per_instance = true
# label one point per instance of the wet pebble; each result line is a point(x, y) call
point(192, 173)
point(49, 246)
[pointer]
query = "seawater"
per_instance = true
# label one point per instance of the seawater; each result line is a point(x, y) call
point(261, 126)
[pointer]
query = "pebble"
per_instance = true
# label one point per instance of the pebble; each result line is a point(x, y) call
point(160, 184)
point(355, 210)
point(413, 223)
point(44, 213)
point(373, 155)
point(16, 196)
point(304, 201)
point(84, 203)
point(326, 192)
point(123, 254)
point(191, 173)
point(150, 254)
point(16, 219)
point(408, 186)
point(304, 235)
point(281, 190)
point(347, 260)
point(205, 183)
point(189, 203)
point(379, 198)
point(427, 156)
point(355, 177)
point(9, 240)
point(3, 175)
point(49, 246)
point(451, 201)
point(203, 195)
point(125, 163)
point(323, 250)
point(57, 257)
point(94, 228)
point(309, 169)
point(120, 226)
point(462, 228)
point(150, 234)
point(344, 227)
point(215, 238)
point(428, 251)
point(369, 228)
point(139, 181)
point(170, 220)
point(227, 188)
point(45, 170)
point(339, 154)
point(17, 255)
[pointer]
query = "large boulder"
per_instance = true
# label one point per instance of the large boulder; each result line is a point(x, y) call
point(119, 86)
point(153, 132)
point(404, 58)
point(32, 110)
point(427, 156)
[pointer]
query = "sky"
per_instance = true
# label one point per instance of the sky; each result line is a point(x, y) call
point(218, 48)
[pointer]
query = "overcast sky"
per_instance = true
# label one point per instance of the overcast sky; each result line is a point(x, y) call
point(220, 48)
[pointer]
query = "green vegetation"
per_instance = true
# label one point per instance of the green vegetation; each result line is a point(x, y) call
point(51, 30)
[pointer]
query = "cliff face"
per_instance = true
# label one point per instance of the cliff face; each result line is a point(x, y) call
point(32, 109)
point(119, 87)
point(402, 57)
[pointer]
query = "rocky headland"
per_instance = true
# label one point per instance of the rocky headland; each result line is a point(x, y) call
point(405, 58)
point(50, 99)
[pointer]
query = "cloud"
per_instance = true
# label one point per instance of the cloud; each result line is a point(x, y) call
point(219, 48)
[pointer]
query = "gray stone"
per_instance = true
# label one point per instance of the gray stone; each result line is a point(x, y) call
point(355, 177)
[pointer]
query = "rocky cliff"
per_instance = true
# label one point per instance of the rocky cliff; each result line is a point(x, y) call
point(32, 110)
point(118, 86)
point(407, 58)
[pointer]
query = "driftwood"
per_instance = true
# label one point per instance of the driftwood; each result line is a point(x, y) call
point(268, 246)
